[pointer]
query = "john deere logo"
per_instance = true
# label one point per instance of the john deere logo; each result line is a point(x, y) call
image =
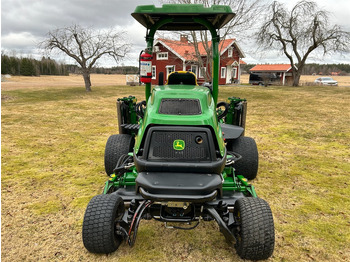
point(179, 144)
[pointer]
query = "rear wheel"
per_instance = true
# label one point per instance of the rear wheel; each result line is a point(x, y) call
point(247, 166)
point(101, 219)
point(255, 233)
point(116, 146)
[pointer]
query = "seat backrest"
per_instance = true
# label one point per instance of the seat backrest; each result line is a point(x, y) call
point(182, 78)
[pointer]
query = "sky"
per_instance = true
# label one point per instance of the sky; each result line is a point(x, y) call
point(24, 23)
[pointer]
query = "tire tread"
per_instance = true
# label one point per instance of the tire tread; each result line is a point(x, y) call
point(257, 229)
point(98, 225)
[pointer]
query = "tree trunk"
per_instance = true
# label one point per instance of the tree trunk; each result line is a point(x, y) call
point(86, 76)
point(296, 77)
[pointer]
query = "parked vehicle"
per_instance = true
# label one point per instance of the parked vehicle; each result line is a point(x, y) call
point(326, 81)
point(262, 79)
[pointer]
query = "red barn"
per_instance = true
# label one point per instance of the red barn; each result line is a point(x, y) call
point(172, 55)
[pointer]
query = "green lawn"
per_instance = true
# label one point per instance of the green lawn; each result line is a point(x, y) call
point(52, 148)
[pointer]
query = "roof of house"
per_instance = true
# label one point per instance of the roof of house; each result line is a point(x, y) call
point(186, 50)
point(271, 68)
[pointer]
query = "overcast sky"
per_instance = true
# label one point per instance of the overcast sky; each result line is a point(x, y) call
point(25, 22)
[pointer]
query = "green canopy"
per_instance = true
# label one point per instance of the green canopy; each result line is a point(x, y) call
point(183, 16)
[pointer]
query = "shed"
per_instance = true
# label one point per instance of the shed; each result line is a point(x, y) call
point(282, 71)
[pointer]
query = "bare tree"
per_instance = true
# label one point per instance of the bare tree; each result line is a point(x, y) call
point(299, 32)
point(86, 46)
point(246, 13)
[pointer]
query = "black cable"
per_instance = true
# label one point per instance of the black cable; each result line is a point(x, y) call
point(223, 114)
point(140, 108)
point(236, 157)
point(138, 215)
point(122, 162)
point(136, 227)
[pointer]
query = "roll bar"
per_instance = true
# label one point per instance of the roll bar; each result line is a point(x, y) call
point(185, 17)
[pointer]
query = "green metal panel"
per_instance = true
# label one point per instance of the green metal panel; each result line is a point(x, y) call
point(207, 118)
point(216, 15)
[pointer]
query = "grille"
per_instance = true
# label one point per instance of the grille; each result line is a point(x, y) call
point(181, 106)
point(194, 146)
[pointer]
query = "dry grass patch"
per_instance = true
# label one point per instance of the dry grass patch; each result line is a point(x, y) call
point(52, 164)
point(44, 81)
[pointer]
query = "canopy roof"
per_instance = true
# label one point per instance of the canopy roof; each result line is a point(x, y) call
point(183, 16)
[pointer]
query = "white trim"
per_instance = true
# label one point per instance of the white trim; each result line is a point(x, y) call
point(234, 70)
point(239, 50)
point(156, 49)
point(170, 49)
point(228, 74)
point(201, 73)
point(239, 72)
point(234, 43)
point(227, 47)
point(155, 72)
point(230, 52)
point(223, 72)
point(167, 70)
point(160, 56)
point(196, 69)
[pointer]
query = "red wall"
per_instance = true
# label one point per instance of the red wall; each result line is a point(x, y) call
point(161, 64)
point(178, 63)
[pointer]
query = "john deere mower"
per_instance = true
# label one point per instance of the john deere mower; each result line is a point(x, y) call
point(181, 157)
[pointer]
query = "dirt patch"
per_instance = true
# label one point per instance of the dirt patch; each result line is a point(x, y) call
point(5, 98)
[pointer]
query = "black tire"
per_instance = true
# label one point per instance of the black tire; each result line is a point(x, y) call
point(99, 225)
point(248, 165)
point(255, 234)
point(116, 146)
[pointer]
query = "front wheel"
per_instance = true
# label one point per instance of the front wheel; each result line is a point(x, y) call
point(101, 219)
point(255, 232)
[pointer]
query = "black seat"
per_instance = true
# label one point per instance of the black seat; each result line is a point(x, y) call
point(182, 78)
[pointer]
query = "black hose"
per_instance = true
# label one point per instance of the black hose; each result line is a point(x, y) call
point(140, 109)
point(235, 157)
point(223, 114)
point(135, 225)
point(122, 162)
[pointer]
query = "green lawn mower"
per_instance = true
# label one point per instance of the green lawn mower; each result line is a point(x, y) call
point(180, 156)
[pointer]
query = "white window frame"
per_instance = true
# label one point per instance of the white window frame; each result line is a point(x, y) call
point(234, 72)
point(154, 72)
point(202, 72)
point(223, 72)
point(195, 67)
point(162, 56)
point(168, 68)
point(230, 52)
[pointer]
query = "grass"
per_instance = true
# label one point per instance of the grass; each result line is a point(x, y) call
point(52, 164)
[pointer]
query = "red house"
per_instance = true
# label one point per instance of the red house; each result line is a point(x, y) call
point(172, 55)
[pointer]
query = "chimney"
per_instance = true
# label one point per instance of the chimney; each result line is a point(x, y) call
point(183, 39)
